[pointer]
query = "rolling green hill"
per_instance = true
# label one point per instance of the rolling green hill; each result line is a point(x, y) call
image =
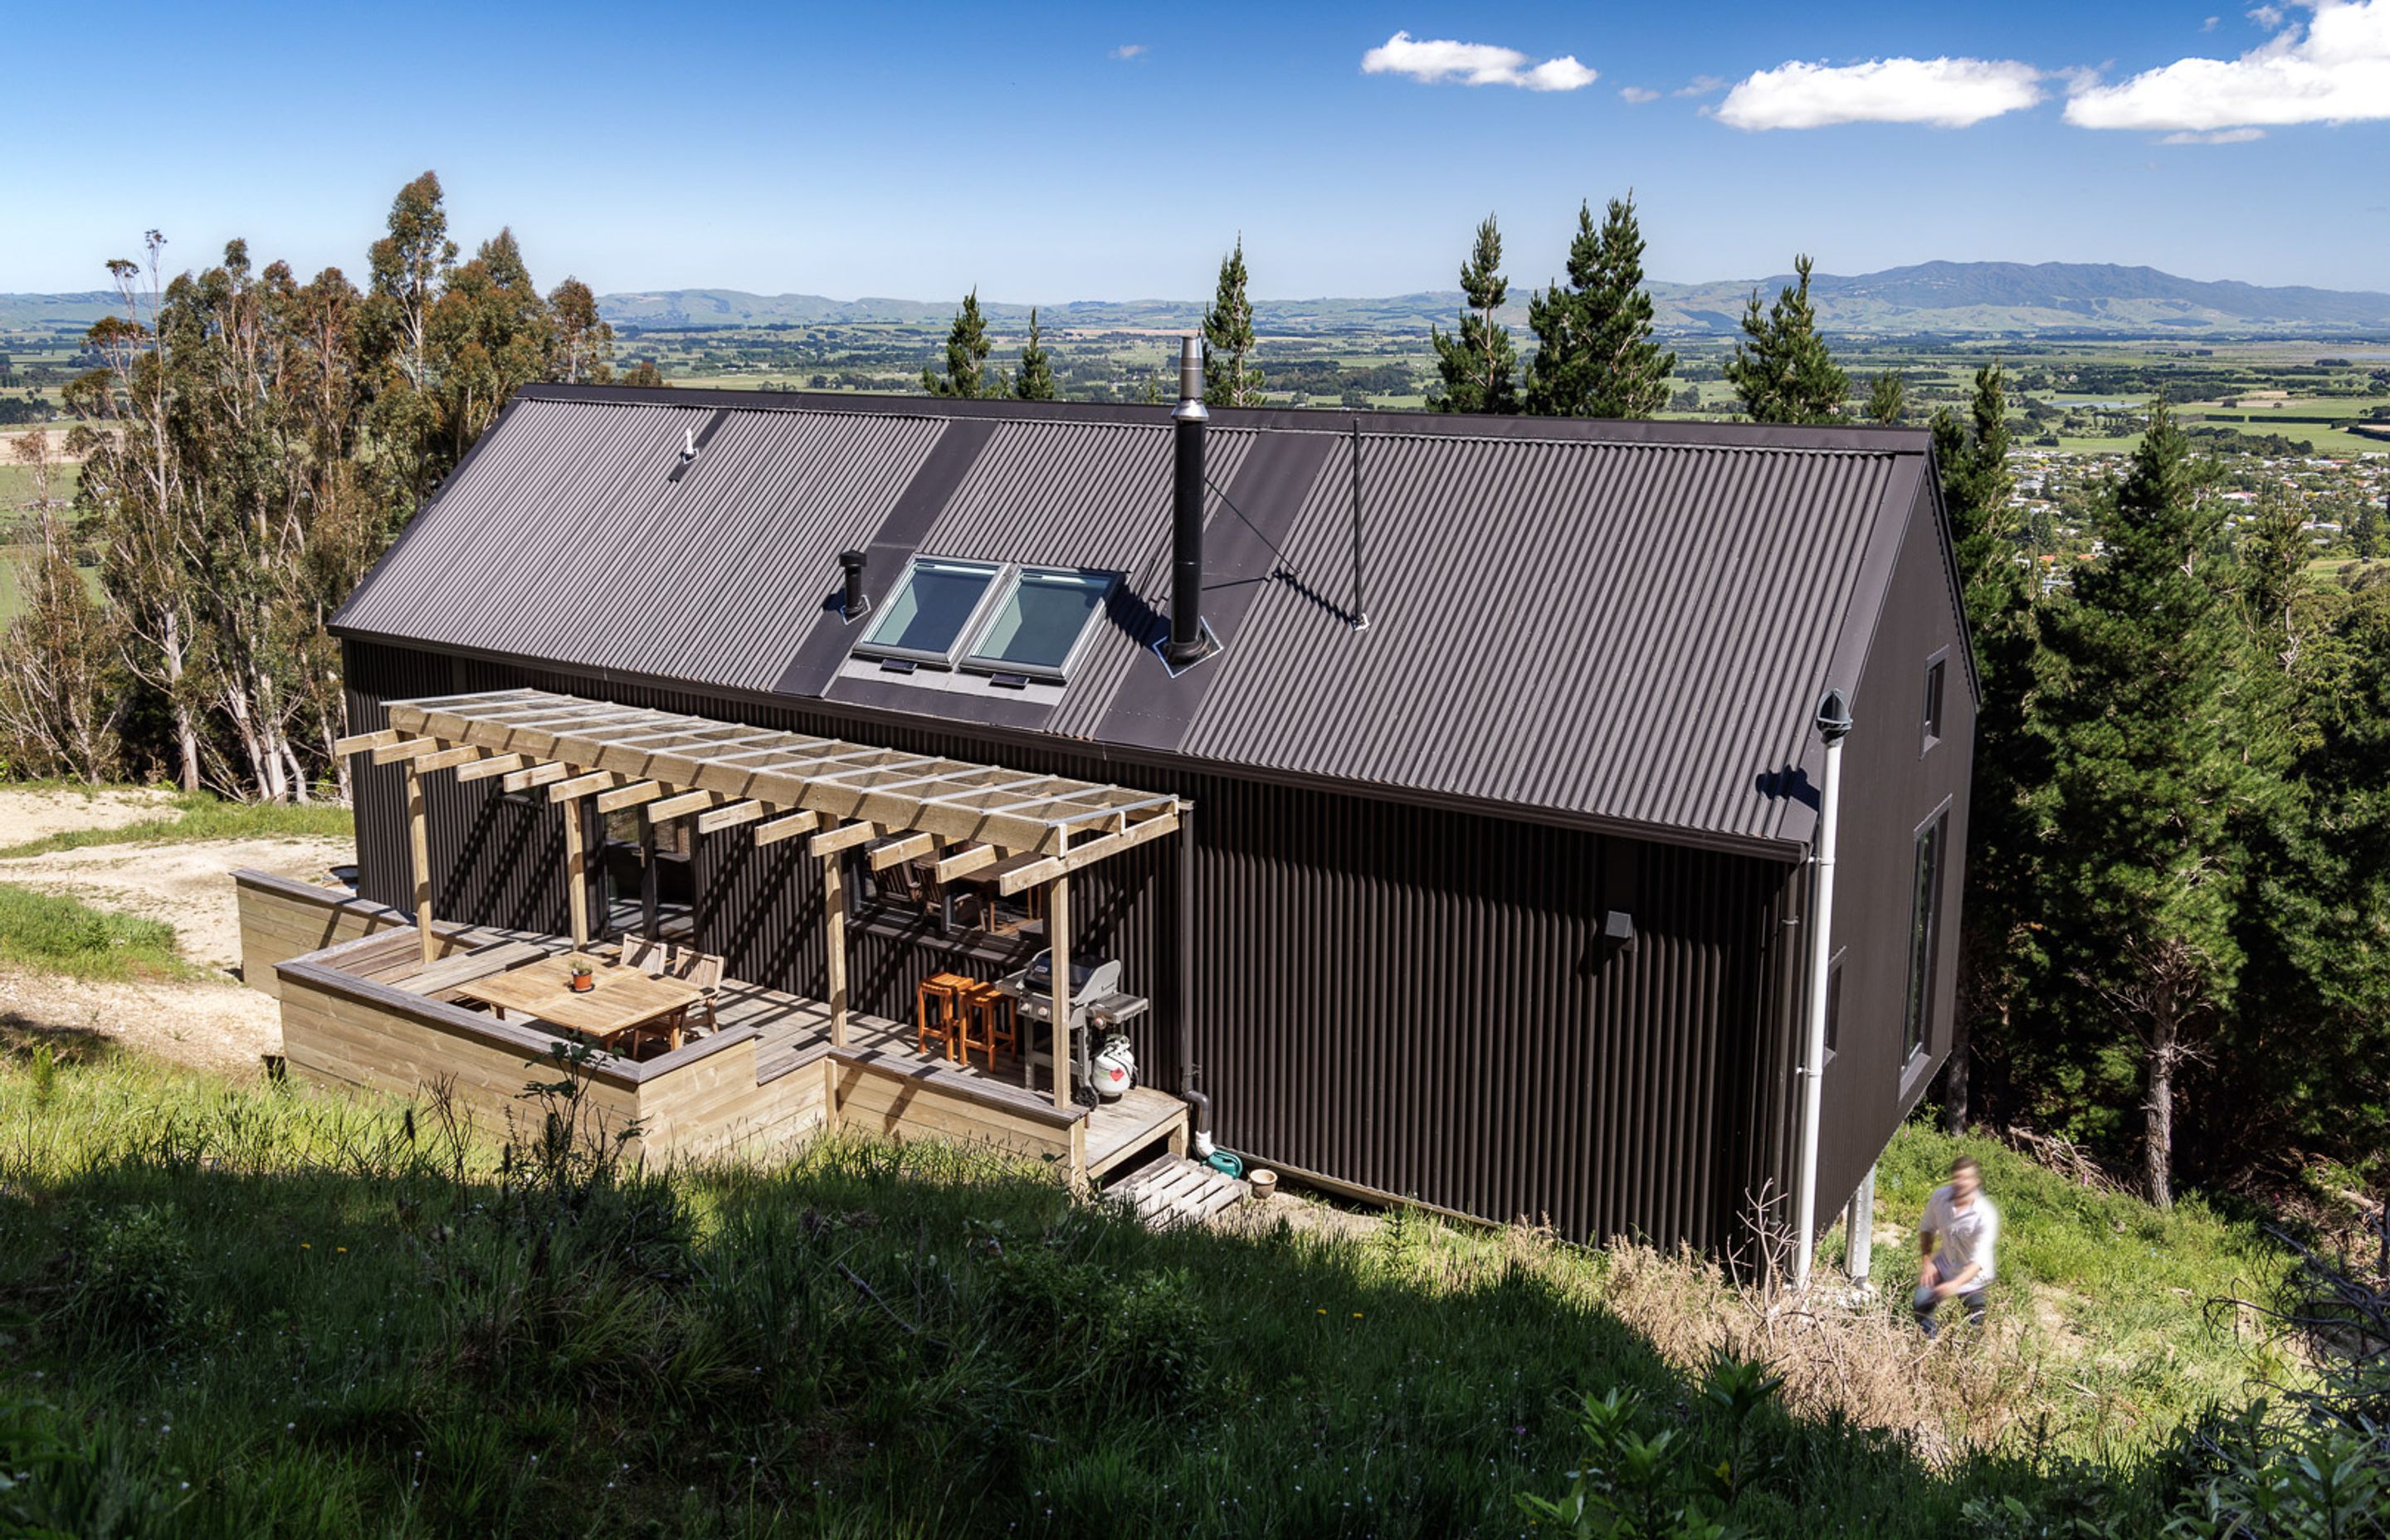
point(1934, 298)
point(1941, 298)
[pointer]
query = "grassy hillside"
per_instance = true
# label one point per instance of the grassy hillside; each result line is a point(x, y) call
point(236, 1311)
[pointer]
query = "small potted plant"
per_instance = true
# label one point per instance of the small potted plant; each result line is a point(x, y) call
point(584, 973)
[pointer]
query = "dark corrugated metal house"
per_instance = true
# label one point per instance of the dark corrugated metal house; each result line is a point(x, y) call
point(1496, 903)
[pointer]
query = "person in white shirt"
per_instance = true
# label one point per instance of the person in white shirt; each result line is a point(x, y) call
point(1955, 1241)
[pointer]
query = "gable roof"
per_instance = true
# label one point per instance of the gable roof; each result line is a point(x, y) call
point(1618, 625)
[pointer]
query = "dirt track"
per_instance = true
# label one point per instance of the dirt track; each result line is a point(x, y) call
point(215, 1025)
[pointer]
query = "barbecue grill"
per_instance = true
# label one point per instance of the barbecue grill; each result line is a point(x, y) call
point(1097, 1003)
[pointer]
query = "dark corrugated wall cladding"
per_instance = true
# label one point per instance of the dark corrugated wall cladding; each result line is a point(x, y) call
point(1414, 1001)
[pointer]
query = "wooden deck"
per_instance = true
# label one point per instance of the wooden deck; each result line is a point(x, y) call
point(358, 1007)
point(795, 1031)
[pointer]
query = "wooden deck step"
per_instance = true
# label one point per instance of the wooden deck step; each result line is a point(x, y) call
point(1174, 1190)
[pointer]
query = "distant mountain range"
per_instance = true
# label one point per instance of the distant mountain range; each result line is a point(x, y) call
point(1934, 298)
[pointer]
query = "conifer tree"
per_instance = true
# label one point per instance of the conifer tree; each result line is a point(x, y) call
point(1888, 398)
point(1783, 372)
point(1594, 352)
point(1036, 381)
point(1999, 952)
point(1229, 377)
point(1477, 361)
point(2142, 877)
point(967, 350)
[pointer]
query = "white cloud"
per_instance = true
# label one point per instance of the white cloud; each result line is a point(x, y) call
point(2209, 25)
point(1638, 95)
point(1430, 61)
point(2265, 16)
point(1947, 93)
point(1702, 86)
point(2222, 136)
point(2336, 69)
point(1128, 50)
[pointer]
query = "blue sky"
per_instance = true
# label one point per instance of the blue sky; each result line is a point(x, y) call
point(1048, 153)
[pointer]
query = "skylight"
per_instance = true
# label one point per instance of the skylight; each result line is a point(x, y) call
point(931, 608)
point(1037, 625)
point(1014, 622)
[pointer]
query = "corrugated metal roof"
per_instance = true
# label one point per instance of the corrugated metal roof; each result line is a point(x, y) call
point(565, 540)
point(1598, 628)
point(1616, 623)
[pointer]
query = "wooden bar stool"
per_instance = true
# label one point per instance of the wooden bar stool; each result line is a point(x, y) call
point(988, 1023)
point(944, 991)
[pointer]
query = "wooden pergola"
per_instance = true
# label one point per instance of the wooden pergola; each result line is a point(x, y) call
point(723, 775)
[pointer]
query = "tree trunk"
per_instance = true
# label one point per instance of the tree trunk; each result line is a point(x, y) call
point(186, 732)
point(1954, 1072)
point(2157, 1139)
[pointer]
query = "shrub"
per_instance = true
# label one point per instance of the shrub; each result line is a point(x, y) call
point(129, 1278)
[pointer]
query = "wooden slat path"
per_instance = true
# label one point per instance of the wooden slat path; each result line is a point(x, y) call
point(1175, 1190)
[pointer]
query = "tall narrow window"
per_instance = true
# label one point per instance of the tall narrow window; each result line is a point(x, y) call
point(1835, 1006)
point(1933, 702)
point(1924, 934)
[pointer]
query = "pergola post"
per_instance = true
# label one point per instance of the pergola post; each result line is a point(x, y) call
point(834, 920)
point(1058, 942)
point(576, 866)
point(419, 846)
point(650, 918)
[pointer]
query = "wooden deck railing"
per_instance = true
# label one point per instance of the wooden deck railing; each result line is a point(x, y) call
point(347, 1018)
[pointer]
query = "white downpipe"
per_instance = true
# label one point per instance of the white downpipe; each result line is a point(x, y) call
point(1835, 723)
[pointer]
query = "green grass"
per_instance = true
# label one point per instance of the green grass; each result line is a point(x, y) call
point(2115, 1291)
point(237, 1311)
point(201, 815)
point(59, 935)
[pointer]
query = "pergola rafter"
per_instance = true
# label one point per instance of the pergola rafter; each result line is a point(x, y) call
point(780, 784)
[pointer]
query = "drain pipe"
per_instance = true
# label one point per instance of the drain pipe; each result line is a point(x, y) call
point(1200, 1144)
point(1833, 726)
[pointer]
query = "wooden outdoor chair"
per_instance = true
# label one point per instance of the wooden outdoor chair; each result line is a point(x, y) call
point(700, 971)
point(648, 955)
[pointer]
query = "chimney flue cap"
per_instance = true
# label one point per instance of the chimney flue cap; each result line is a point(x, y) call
point(1190, 380)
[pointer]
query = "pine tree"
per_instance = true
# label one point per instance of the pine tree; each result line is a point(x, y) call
point(1594, 352)
point(1478, 361)
point(1036, 381)
point(1783, 372)
point(2143, 880)
point(1888, 398)
point(967, 350)
point(1230, 376)
point(1999, 953)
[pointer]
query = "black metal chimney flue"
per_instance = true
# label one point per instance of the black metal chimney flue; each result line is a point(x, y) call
point(1186, 639)
point(856, 601)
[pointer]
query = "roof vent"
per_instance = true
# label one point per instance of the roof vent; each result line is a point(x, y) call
point(688, 446)
point(856, 602)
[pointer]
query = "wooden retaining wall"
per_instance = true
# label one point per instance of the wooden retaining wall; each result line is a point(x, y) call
point(282, 917)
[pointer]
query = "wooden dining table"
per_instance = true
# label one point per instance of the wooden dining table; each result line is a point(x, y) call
point(988, 878)
point(622, 998)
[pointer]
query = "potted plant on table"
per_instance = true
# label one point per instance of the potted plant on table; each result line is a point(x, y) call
point(585, 972)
